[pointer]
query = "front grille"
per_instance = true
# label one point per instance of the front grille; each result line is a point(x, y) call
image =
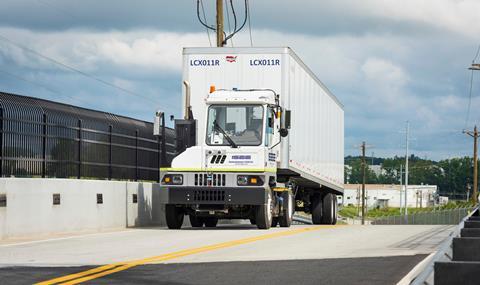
point(209, 195)
point(204, 179)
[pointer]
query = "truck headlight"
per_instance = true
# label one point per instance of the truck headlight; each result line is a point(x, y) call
point(242, 180)
point(172, 179)
point(249, 180)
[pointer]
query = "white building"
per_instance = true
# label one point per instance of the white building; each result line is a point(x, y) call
point(379, 195)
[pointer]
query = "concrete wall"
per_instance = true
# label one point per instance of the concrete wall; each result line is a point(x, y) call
point(30, 211)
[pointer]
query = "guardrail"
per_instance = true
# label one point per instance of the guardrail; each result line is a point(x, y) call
point(423, 273)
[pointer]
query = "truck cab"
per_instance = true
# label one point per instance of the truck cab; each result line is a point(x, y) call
point(231, 171)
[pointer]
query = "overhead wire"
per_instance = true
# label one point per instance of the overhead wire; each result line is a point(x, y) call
point(249, 24)
point(471, 89)
point(48, 88)
point(228, 20)
point(200, 20)
point(241, 27)
point(73, 69)
point(234, 16)
point(205, 19)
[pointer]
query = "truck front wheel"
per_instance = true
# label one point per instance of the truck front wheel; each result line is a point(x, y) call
point(285, 220)
point(174, 216)
point(211, 222)
point(264, 215)
point(196, 222)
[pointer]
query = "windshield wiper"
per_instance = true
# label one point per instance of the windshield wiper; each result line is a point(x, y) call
point(230, 141)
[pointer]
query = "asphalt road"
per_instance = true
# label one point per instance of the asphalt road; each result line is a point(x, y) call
point(237, 254)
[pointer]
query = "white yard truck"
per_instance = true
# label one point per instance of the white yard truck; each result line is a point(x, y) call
point(261, 138)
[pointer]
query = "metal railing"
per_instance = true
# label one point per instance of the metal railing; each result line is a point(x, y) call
point(437, 217)
point(40, 138)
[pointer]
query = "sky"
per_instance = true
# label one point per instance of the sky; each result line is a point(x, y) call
point(387, 61)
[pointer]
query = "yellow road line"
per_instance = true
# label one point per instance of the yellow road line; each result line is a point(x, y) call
point(108, 269)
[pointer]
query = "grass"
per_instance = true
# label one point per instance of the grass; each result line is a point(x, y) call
point(351, 211)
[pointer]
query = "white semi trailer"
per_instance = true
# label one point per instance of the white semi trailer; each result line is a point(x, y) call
point(261, 138)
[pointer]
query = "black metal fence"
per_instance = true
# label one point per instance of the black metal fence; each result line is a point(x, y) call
point(40, 138)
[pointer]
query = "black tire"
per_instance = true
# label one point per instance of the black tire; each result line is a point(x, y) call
point(329, 209)
point(316, 209)
point(196, 222)
point(275, 222)
point(211, 222)
point(335, 216)
point(264, 213)
point(252, 221)
point(285, 220)
point(174, 216)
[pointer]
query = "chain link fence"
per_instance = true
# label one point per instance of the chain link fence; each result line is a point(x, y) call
point(439, 217)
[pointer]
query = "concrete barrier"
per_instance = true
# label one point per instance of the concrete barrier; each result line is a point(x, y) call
point(38, 207)
point(472, 224)
point(466, 249)
point(470, 232)
point(456, 272)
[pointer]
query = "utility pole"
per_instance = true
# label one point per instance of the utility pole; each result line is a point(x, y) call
point(474, 135)
point(401, 186)
point(406, 168)
point(364, 166)
point(220, 23)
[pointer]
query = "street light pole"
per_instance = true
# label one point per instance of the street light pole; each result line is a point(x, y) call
point(406, 167)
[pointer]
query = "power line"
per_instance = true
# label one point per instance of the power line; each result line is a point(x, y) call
point(228, 19)
point(471, 88)
point(469, 100)
point(76, 70)
point(48, 88)
point(205, 19)
point(243, 24)
point(249, 24)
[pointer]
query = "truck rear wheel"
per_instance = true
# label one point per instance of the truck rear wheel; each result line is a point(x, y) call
point(264, 215)
point(174, 216)
point(316, 209)
point(285, 220)
point(211, 222)
point(329, 209)
point(274, 222)
point(196, 222)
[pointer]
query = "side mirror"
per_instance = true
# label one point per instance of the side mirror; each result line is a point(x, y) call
point(283, 133)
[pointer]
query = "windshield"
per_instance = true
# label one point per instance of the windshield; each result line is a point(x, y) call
point(243, 124)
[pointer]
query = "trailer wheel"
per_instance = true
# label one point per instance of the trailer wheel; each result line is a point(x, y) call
point(264, 213)
point(335, 213)
point(316, 209)
point(329, 209)
point(196, 222)
point(285, 219)
point(174, 216)
point(211, 222)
